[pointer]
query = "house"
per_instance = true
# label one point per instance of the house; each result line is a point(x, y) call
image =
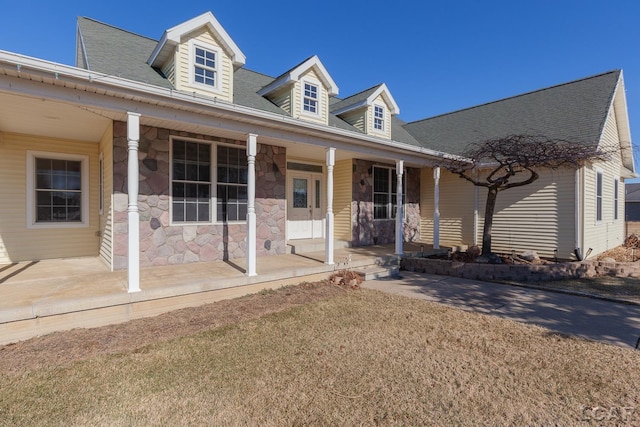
point(632, 202)
point(171, 151)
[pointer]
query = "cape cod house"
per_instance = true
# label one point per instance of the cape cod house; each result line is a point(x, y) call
point(154, 152)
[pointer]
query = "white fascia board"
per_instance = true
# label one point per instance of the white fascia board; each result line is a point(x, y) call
point(293, 76)
point(346, 109)
point(172, 37)
point(150, 94)
point(384, 91)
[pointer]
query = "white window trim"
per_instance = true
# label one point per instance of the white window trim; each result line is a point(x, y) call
point(317, 84)
point(31, 190)
point(601, 196)
point(213, 200)
point(616, 199)
point(217, 89)
point(382, 131)
point(393, 191)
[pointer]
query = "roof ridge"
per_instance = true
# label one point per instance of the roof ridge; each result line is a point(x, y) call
point(117, 28)
point(516, 96)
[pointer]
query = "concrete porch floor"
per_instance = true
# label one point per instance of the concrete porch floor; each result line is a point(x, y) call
point(40, 297)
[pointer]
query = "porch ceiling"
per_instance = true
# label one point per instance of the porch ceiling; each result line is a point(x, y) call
point(43, 117)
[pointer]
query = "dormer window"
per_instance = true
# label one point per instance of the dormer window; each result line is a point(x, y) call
point(310, 98)
point(205, 67)
point(205, 63)
point(378, 118)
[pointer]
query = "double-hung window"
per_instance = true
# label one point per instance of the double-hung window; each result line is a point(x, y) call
point(58, 190)
point(616, 188)
point(378, 118)
point(599, 180)
point(205, 69)
point(310, 98)
point(192, 182)
point(231, 194)
point(385, 197)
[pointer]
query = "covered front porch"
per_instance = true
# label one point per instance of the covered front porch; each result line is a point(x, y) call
point(40, 297)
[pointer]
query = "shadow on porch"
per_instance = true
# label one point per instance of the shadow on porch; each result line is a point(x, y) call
point(40, 297)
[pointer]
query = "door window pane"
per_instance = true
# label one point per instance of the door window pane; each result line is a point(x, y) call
point(299, 193)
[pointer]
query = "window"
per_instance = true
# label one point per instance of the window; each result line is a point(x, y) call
point(205, 66)
point(385, 184)
point(378, 118)
point(310, 98)
point(191, 182)
point(58, 188)
point(232, 184)
point(599, 178)
point(616, 186)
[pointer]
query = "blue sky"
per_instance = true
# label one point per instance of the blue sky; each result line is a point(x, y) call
point(435, 57)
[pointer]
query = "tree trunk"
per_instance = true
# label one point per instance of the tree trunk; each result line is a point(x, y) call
point(488, 221)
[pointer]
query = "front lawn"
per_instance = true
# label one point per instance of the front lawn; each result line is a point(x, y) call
point(339, 358)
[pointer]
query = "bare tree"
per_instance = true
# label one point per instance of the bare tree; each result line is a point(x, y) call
point(514, 161)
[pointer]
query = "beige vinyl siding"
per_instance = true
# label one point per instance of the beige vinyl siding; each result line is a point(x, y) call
point(342, 195)
point(356, 119)
point(539, 216)
point(183, 71)
point(387, 119)
point(608, 233)
point(169, 70)
point(457, 198)
point(106, 219)
point(282, 99)
point(323, 99)
point(17, 243)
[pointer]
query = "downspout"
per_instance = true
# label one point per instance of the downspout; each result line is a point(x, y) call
point(578, 227)
point(475, 214)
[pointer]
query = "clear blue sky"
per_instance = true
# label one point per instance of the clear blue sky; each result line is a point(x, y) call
point(435, 57)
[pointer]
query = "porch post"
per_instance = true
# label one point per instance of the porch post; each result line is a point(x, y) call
point(252, 149)
point(133, 216)
point(436, 208)
point(328, 240)
point(399, 213)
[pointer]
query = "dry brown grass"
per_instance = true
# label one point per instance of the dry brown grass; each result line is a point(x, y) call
point(355, 358)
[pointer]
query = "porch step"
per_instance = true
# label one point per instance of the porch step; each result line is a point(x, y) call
point(305, 246)
point(373, 272)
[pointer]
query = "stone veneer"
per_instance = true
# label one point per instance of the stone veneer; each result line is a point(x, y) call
point(162, 243)
point(366, 230)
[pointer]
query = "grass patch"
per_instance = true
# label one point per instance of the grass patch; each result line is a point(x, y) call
point(355, 358)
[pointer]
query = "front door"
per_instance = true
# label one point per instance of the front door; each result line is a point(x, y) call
point(305, 219)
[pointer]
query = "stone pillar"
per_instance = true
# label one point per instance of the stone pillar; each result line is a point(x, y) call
point(328, 238)
point(399, 213)
point(133, 216)
point(436, 208)
point(252, 150)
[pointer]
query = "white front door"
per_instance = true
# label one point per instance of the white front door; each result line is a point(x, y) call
point(305, 206)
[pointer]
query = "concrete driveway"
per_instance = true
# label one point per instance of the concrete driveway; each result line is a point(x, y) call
point(594, 319)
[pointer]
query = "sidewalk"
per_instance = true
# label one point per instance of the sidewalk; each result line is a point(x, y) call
point(591, 318)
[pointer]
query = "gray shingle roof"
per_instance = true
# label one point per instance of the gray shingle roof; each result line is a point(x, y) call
point(353, 99)
point(632, 192)
point(117, 52)
point(575, 111)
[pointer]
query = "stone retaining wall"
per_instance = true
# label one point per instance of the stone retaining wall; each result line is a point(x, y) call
point(521, 273)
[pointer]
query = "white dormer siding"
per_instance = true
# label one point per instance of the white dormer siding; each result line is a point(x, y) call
point(185, 74)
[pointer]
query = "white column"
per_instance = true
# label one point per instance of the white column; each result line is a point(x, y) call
point(328, 236)
point(133, 217)
point(436, 208)
point(252, 150)
point(399, 213)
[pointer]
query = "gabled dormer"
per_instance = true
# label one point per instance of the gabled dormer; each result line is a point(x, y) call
point(303, 91)
point(199, 56)
point(370, 111)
